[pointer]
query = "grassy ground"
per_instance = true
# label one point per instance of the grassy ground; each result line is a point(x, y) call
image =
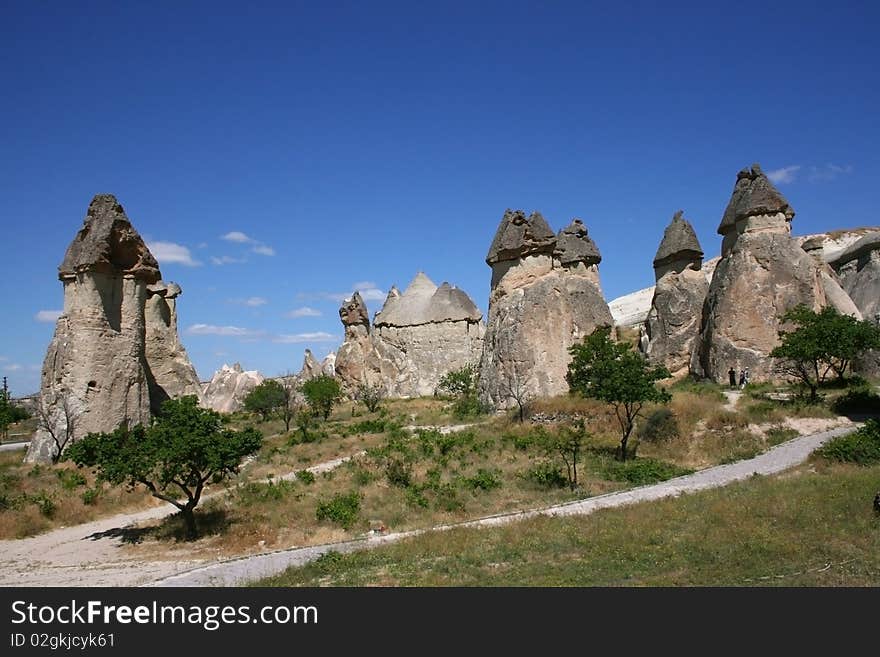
point(813, 526)
point(496, 466)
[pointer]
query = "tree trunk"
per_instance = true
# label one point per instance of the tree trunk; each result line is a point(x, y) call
point(192, 531)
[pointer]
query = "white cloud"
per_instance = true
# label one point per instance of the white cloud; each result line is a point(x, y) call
point(367, 289)
point(251, 302)
point(304, 337)
point(14, 367)
point(262, 249)
point(168, 253)
point(3, 359)
point(238, 237)
point(47, 316)
point(227, 260)
point(784, 175)
point(305, 311)
point(829, 172)
point(234, 331)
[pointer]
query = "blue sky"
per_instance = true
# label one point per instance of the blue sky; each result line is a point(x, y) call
point(285, 153)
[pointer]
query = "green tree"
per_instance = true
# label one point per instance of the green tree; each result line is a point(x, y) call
point(820, 343)
point(462, 385)
point(322, 393)
point(10, 413)
point(370, 395)
point(266, 398)
point(183, 449)
point(614, 373)
point(567, 444)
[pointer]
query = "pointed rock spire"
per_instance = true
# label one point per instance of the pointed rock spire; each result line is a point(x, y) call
point(573, 244)
point(518, 236)
point(108, 243)
point(753, 194)
point(354, 311)
point(679, 242)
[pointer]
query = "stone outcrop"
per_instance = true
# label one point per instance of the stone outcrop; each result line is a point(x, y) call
point(858, 269)
point(171, 374)
point(116, 353)
point(835, 295)
point(311, 368)
point(763, 272)
point(672, 328)
point(229, 386)
point(328, 365)
point(428, 331)
point(95, 371)
point(545, 296)
point(417, 337)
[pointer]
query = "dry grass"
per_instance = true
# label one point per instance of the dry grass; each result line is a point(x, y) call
point(812, 526)
point(34, 499)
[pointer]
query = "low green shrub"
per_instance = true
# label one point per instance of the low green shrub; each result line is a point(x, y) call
point(71, 479)
point(857, 400)
point(90, 495)
point(861, 447)
point(643, 471)
point(484, 479)
point(777, 435)
point(343, 509)
point(660, 426)
point(546, 475)
point(306, 477)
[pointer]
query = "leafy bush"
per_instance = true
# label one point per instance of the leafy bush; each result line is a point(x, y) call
point(776, 435)
point(343, 509)
point(862, 446)
point(270, 491)
point(660, 426)
point(328, 562)
point(377, 425)
point(484, 480)
point(370, 396)
point(44, 503)
point(90, 495)
point(858, 400)
point(306, 477)
point(398, 472)
point(71, 479)
point(643, 471)
point(469, 406)
point(362, 476)
point(322, 393)
point(546, 475)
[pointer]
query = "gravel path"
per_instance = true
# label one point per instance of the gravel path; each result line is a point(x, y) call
point(248, 569)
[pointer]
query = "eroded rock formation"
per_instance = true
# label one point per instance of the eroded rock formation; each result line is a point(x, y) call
point(858, 268)
point(116, 354)
point(673, 324)
point(763, 272)
point(171, 374)
point(229, 386)
point(545, 296)
point(95, 372)
point(428, 331)
point(416, 338)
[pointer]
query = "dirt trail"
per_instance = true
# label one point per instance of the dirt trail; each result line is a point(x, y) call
point(781, 457)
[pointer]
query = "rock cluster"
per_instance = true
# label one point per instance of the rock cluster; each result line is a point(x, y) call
point(673, 324)
point(226, 390)
point(763, 272)
point(416, 338)
point(115, 353)
point(545, 296)
point(858, 268)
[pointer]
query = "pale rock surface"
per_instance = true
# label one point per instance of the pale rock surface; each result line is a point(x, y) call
point(96, 360)
point(673, 324)
point(171, 374)
point(311, 368)
point(858, 268)
point(763, 272)
point(545, 296)
point(229, 386)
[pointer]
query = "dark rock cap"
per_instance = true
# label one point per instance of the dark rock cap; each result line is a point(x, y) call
point(518, 236)
point(108, 243)
point(753, 194)
point(573, 244)
point(868, 243)
point(815, 243)
point(679, 241)
point(354, 311)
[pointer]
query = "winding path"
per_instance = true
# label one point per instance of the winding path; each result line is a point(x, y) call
point(779, 458)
